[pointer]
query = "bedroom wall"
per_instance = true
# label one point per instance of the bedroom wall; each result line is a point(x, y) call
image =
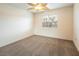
point(76, 25)
point(15, 24)
point(65, 24)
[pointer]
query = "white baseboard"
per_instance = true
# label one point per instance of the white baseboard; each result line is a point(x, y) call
point(53, 37)
point(19, 38)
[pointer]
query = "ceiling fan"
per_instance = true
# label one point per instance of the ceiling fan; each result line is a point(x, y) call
point(37, 6)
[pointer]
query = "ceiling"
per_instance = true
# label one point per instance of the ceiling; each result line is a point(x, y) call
point(50, 5)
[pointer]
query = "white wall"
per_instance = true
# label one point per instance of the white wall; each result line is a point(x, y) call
point(65, 26)
point(15, 24)
point(76, 25)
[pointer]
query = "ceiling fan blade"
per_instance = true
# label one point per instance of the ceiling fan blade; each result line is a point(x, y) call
point(31, 4)
point(30, 9)
point(45, 8)
point(44, 4)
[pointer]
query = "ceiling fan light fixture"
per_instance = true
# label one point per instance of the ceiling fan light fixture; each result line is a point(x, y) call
point(39, 7)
